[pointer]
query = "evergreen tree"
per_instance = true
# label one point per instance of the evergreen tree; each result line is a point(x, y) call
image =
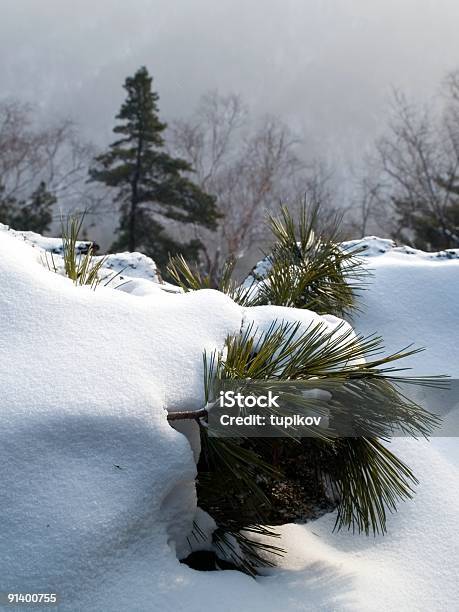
point(34, 214)
point(150, 183)
point(428, 227)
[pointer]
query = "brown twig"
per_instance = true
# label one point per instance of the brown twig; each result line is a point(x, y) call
point(187, 415)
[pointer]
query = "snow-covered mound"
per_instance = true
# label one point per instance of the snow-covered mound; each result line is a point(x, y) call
point(372, 246)
point(93, 477)
point(98, 495)
point(129, 270)
point(44, 243)
point(413, 298)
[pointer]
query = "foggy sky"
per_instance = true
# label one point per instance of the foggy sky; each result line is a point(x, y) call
point(326, 66)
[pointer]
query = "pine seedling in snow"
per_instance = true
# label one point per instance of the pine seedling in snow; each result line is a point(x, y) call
point(190, 278)
point(83, 268)
point(369, 480)
point(308, 269)
point(80, 267)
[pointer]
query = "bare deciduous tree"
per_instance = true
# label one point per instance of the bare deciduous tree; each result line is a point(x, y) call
point(419, 162)
point(249, 166)
point(32, 154)
point(367, 200)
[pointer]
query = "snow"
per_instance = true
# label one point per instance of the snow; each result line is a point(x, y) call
point(259, 320)
point(372, 246)
point(414, 299)
point(98, 494)
point(124, 270)
point(43, 243)
point(92, 475)
point(414, 567)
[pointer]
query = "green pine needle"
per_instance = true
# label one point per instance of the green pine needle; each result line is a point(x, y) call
point(308, 269)
point(367, 477)
point(190, 278)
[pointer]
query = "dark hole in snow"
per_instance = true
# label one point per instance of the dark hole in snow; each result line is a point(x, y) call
point(207, 561)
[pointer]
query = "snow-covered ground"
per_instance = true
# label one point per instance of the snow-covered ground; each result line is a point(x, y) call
point(129, 271)
point(97, 493)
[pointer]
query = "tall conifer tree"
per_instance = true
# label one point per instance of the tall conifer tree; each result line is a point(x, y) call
point(151, 185)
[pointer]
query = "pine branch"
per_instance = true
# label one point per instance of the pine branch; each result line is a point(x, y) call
point(368, 478)
point(190, 278)
point(309, 270)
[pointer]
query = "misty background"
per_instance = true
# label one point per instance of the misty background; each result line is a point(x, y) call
point(327, 68)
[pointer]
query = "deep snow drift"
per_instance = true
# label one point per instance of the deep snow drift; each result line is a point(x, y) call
point(97, 490)
point(88, 463)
